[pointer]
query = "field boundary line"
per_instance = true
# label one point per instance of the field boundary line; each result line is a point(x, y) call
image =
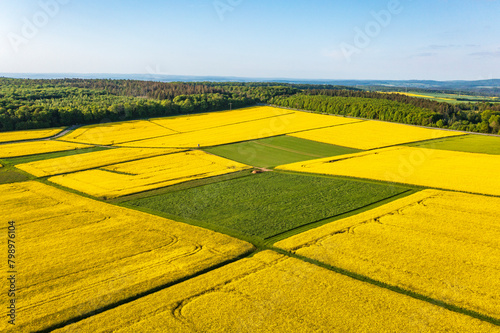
point(204, 129)
point(101, 166)
point(181, 186)
point(154, 123)
point(420, 141)
point(396, 289)
point(331, 219)
point(387, 182)
point(236, 123)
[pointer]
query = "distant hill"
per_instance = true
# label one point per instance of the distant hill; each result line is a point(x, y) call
point(480, 87)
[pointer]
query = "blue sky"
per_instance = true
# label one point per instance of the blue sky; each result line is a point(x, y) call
point(314, 39)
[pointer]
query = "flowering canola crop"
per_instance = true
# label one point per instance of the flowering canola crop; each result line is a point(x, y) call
point(196, 122)
point(206, 129)
point(87, 161)
point(443, 245)
point(274, 293)
point(468, 172)
point(37, 147)
point(147, 174)
point(114, 133)
point(29, 135)
point(373, 134)
point(77, 255)
point(278, 124)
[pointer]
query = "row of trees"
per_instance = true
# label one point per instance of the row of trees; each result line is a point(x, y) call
point(388, 109)
point(26, 104)
point(370, 108)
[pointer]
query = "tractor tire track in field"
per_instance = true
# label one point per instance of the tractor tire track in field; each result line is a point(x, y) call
point(170, 129)
point(204, 129)
point(350, 229)
point(178, 308)
point(173, 241)
point(141, 294)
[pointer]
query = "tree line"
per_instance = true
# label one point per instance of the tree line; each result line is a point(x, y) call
point(29, 104)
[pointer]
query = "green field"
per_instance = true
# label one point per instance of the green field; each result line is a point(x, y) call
point(452, 98)
point(468, 143)
point(10, 175)
point(271, 152)
point(268, 204)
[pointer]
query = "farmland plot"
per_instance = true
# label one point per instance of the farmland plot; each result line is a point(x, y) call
point(482, 144)
point(373, 134)
point(76, 255)
point(268, 204)
point(29, 135)
point(197, 122)
point(114, 133)
point(147, 174)
point(475, 173)
point(271, 152)
point(67, 164)
point(443, 245)
point(283, 123)
point(37, 147)
point(273, 293)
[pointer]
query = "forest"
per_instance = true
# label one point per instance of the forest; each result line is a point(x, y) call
point(31, 104)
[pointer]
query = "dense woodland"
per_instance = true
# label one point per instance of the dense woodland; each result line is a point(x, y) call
point(29, 104)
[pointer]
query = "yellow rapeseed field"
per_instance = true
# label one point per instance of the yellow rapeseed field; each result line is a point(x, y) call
point(114, 133)
point(76, 255)
point(251, 130)
point(87, 161)
point(373, 134)
point(29, 135)
point(469, 172)
point(415, 95)
point(196, 122)
point(423, 96)
point(147, 174)
point(273, 293)
point(206, 129)
point(443, 245)
point(37, 147)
